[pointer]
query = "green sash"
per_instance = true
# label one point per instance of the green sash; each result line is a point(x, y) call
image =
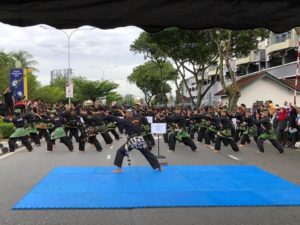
point(58, 133)
point(225, 133)
point(19, 132)
point(31, 129)
point(111, 126)
point(182, 133)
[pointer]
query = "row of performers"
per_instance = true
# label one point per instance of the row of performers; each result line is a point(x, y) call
point(85, 125)
point(216, 127)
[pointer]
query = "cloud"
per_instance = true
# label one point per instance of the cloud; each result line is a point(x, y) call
point(91, 50)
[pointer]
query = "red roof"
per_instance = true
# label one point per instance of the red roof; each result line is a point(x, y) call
point(245, 81)
point(291, 83)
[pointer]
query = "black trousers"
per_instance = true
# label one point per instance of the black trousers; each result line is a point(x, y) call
point(115, 134)
point(282, 137)
point(245, 138)
point(35, 138)
point(72, 132)
point(107, 138)
point(92, 140)
point(165, 137)
point(120, 128)
point(209, 136)
point(24, 140)
point(201, 134)
point(9, 109)
point(67, 142)
point(149, 140)
point(186, 140)
point(121, 153)
point(274, 142)
point(44, 133)
point(226, 142)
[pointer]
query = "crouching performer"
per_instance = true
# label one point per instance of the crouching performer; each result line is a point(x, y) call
point(20, 132)
point(135, 140)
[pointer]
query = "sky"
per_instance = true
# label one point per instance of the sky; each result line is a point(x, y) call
point(91, 52)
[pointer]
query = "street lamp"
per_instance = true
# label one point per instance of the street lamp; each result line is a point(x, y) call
point(103, 69)
point(68, 36)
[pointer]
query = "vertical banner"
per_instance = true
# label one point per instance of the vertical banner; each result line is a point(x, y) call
point(69, 90)
point(17, 82)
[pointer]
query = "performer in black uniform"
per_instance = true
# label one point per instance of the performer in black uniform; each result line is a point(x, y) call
point(267, 133)
point(88, 131)
point(135, 140)
point(20, 132)
point(179, 132)
point(225, 134)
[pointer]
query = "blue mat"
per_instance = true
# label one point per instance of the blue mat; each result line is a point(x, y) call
point(176, 186)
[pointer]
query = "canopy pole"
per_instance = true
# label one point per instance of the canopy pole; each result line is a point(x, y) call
point(297, 65)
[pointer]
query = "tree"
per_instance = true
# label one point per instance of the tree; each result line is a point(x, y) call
point(26, 60)
point(6, 62)
point(51, 94)
point(33, 86)
point(128, 100)
point(113, 97)
point(192, 51)
point(152, 79)
point(144, 45)
point(85, 89)
point(234, 44)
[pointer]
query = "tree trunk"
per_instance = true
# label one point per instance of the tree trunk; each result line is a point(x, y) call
point(182, 74)
point(233, 94)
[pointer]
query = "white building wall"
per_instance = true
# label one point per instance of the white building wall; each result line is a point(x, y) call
point(263, 90)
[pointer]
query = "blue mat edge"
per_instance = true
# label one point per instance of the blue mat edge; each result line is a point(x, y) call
point(15, 208)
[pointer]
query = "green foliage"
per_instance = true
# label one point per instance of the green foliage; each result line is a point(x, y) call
point(6, 129)
point(113, 97)
point(51, 94)
point(6, 62)
point(128, 100)
point(152, 80)
point(25, 58)
point(86, 89)
point(33, 86)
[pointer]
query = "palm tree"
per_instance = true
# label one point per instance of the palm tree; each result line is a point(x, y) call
point(26, 59)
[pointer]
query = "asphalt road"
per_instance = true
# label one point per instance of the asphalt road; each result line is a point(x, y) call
point(20, 171)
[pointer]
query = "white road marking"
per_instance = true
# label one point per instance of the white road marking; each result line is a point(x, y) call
point(233, 157)
point(11, 153)
point(108, 157)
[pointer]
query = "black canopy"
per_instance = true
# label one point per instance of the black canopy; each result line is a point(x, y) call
point(153, 15)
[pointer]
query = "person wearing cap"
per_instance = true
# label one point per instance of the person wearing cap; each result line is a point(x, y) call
point(20, 132)
point(135, 140)
point(267, 133)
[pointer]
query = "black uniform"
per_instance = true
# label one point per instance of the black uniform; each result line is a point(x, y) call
point(89, 133)
point(225, 135)
point(178, 131)
point(19, 134)
point(135, 141)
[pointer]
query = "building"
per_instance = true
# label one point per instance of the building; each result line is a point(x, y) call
point(261, 87)
point(276, 55)
point(60, 73)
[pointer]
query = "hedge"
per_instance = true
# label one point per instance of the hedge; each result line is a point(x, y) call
point(6, 129)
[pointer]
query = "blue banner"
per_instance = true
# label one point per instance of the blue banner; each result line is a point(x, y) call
point(17, 83)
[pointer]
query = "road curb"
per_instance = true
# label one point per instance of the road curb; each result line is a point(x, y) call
point(4, 147)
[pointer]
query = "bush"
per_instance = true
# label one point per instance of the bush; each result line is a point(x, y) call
point(6, 129)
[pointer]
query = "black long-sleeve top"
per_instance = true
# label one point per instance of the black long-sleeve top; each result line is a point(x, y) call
point(133, 127)
point(19, 122)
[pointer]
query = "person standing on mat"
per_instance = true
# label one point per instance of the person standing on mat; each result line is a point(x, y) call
point(133, 129)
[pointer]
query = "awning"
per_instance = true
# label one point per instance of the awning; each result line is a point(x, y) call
point(154, 15)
